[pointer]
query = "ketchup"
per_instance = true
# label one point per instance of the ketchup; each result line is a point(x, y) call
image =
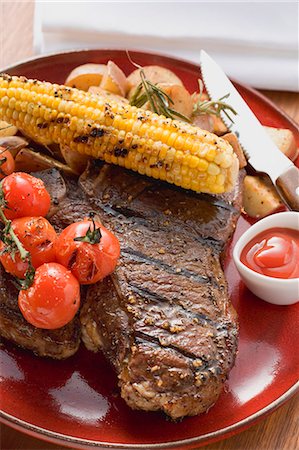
point(274, 252)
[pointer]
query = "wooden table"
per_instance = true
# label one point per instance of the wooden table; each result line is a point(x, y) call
point(277, 432)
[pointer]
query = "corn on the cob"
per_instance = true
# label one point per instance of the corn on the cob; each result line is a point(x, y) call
point(120, 134)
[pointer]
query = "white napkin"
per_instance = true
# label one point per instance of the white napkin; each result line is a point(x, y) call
point(256, 43)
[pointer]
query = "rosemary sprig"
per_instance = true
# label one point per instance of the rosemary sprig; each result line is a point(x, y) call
point(14, 245)
point(92, 236)
point(212, 107)
point(160, 102)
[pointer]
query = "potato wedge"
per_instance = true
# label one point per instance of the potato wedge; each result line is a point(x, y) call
point(285, 141)
point(155, 74)
point(82, 77)
point(103, 93)
point(219, 126)
point(182, 100)
point(232, 139)
point(6, 129)
point(203, 121)
point(260, 197)
point(114, 80)
point(74, 160)
point(211, 123)
point(214, 123)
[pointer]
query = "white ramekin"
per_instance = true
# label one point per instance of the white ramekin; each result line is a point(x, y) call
point(279, 291)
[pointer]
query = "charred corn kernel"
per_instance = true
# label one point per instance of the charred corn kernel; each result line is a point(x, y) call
point(119, 133)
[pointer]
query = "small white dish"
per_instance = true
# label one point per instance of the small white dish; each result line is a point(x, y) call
point(279, 291)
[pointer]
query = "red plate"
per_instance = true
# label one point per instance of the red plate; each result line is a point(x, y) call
point(76, 402)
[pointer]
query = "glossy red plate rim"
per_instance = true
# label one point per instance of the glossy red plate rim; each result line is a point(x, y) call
point(214, 436)
point(222, 433)
point(162, 55)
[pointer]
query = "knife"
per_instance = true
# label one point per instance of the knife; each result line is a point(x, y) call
point(261, 152)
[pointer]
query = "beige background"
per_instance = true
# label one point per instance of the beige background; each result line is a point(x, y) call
point(280, 431)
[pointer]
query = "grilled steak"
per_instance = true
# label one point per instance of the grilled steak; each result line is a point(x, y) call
point(60, 343)
point(56, 187)
point(163, 319)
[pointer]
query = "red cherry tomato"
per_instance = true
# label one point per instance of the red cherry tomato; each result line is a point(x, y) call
point(7, 163)
point(53, 299)
point(25, 196)
point(89, 263)
point(37, 236)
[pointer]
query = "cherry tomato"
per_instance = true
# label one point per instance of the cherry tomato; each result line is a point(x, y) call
point(37, 237)
point(53, 299)
point(25, 196)
point(88, 262)
point(7, 163)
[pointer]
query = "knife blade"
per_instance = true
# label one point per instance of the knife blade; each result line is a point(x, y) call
point(262, 154)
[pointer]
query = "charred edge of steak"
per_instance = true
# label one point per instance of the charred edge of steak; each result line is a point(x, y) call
point(58, 344)
point(172, 347)
point(172, 383)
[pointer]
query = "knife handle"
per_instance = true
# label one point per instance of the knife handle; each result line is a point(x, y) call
point(288, 185)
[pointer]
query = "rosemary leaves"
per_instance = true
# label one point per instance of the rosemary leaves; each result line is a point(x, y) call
point(206, 106)
point(13, 245)
point(159, 101)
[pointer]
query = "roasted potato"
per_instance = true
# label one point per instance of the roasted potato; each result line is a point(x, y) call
point(7, 130)
point(203, 121)
point(103, 93)
point(155, 74)
point(260, 197)
point(182, 100)
point(285, 141)
point(82, 77)
point(209, 122)
point(114, 80)
point(219, 126)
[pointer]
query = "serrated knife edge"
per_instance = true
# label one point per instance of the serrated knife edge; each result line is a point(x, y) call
point(262, 153)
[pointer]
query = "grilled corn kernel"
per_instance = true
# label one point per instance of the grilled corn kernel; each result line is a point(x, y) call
point(119, 133)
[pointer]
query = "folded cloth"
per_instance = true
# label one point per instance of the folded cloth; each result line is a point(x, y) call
point(255, 43)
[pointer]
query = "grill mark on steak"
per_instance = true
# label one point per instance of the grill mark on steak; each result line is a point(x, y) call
point(127, 215)
point(205, 366)
point(136, 218)
point(156, 298)
point(202, 216)
point(147, 340)
point(168, 282)
point(140, 257)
